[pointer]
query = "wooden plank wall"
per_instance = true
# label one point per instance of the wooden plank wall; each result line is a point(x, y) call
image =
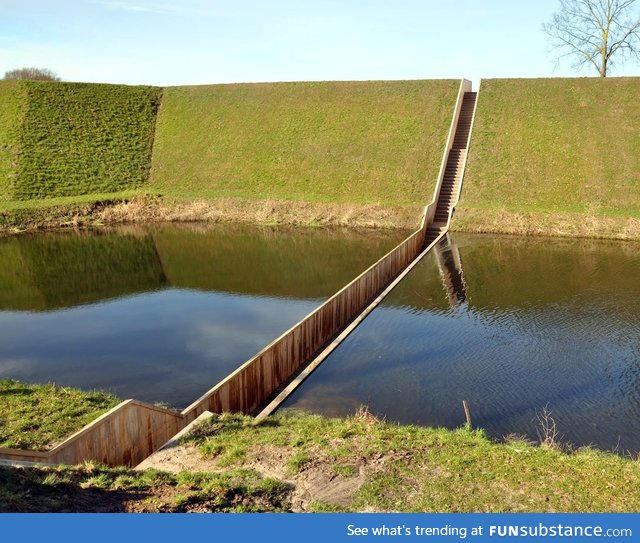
point(256, 380)
point(125, 435)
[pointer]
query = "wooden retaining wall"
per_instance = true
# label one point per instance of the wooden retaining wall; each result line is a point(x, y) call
point(125, 435)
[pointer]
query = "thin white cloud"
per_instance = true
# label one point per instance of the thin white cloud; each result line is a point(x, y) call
point(138, 7)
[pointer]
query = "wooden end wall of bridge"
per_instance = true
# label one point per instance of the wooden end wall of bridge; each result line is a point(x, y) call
point(125, 435)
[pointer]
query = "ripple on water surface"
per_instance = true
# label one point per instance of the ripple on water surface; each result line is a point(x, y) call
point(511, 325)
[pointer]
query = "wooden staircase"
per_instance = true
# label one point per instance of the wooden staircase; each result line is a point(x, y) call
point(454, 170)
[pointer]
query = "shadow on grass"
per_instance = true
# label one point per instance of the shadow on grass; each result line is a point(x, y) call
point(44, 490)
point(99, 489)
point(17, 391)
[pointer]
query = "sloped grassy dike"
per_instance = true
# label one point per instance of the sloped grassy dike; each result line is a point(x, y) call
point(70, 139)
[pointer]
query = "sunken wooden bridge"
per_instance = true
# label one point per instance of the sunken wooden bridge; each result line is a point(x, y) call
point(133, 430)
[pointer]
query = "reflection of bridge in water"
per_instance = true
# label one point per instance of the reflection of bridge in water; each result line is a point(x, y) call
point(450, 268)
point(133, 430)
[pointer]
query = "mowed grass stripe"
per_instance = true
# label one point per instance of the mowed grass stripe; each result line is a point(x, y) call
point(12, 107)
point(342, 142)
point(81, 138)
point(556, 145)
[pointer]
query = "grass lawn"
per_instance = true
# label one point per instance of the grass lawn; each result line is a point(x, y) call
point(342, 147)
point(83, 138)
point(38, 416)
point(409, 468)
point(336, 142)
point(12, 106)
point(556, 145)
point(548, 156)
point(93, 488)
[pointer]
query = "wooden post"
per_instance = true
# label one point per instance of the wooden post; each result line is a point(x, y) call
point(467, 413)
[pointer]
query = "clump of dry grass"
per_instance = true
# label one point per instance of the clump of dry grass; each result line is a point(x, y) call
point(263, 212)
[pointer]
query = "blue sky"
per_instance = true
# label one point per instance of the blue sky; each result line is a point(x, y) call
point(166, 42)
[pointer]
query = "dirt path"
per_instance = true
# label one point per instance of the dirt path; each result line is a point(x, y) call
point(315, 483)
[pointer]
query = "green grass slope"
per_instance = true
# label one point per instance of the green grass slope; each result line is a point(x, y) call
point(36, 416)
point(338, 142)
point(12, 106)
point(556, 145)
point(79, 138)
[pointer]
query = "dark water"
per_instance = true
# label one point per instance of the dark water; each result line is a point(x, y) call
point(163, 313)
point(511, 325)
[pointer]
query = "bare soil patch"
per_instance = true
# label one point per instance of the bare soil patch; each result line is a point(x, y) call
point(316, 482)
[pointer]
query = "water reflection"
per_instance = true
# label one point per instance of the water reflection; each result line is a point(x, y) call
point(450, 267)
point(511, 325)
point(162, 313)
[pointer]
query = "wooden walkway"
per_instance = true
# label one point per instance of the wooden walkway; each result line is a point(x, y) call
point(133, 430)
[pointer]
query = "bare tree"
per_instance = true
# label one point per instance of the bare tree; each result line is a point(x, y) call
point(38, 74)
point(595, 31)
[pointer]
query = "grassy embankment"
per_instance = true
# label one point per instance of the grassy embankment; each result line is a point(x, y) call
point(554, 157)
point(354, 153)
point(548, 156)
point(67, 148)
point(339, 147)
point(38, 416)
point(308, 463)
